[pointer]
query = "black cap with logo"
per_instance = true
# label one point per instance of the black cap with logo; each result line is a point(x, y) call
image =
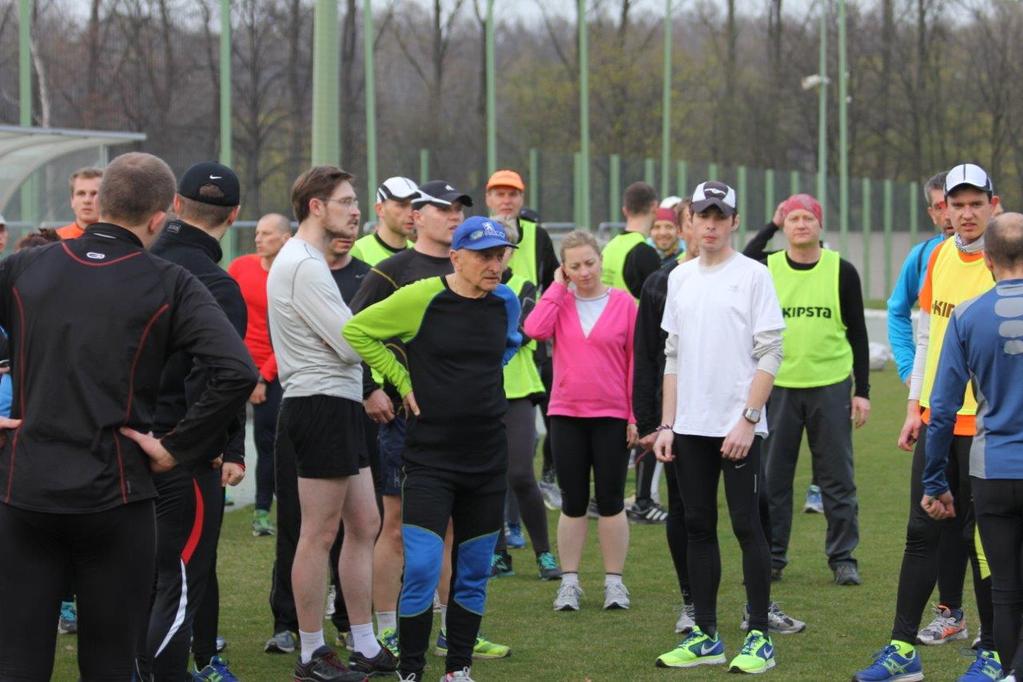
point(210, 173)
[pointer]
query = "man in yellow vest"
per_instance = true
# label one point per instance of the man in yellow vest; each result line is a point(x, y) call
point(628, 258)
point(394, 222)
point(955, 273)
point(825, 346)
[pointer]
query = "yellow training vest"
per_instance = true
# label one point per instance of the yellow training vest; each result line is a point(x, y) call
point(614, 255)
point(523, 260)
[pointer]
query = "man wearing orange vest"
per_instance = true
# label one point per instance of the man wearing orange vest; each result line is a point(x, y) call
point(955, 273)
point(84, 202)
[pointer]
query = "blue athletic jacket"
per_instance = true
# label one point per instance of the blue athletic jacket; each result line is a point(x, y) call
point(903, 298)
point(983, 345)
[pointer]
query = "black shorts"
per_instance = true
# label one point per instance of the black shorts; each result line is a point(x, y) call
point(324, 434)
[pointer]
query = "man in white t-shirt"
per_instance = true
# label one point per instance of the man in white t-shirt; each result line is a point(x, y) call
point(724, 347)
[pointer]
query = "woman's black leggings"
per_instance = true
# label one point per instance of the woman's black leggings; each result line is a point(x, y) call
point(520, 425)
point(583, 443)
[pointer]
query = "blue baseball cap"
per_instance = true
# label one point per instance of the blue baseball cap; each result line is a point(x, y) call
point(479, 233)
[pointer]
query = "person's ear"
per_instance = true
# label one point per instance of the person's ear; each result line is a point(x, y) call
point(233, 216)
point(176, 204)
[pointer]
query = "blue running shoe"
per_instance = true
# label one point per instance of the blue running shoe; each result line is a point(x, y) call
point(897, 662)
point(986, 667)
point(216, 671)
point(513, 536)
point(67, 622)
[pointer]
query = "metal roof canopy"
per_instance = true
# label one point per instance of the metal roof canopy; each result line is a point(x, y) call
point(24, 150)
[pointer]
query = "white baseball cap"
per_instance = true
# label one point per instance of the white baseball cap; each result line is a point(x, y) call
point(398, 188)
point(968, 174)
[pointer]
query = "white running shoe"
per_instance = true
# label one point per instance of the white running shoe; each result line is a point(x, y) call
point(616, 596)
point(777, 621)
point(568, 598)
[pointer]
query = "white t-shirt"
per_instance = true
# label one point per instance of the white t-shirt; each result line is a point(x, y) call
point(590, 309)
point(715, 312)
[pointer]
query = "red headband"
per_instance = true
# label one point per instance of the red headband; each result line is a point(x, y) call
point(804, 202)
point(665, 214)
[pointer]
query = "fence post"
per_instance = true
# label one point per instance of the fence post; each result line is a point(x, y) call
point(866, 218)
point(534, 179)
point(614, 190)
point(740, 180)
point(577, 203)
point(914, 214)
point(649, 172)
point(794, 182)
point(889, 187)
point(424, 165)
point(712, 171)
point(683, 179)
point(769, 202)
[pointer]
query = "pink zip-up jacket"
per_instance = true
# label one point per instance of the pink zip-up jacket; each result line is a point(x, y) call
point(592, 374)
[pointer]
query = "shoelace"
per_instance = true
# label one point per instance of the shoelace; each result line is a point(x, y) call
point(547, 560)
point(751, 645)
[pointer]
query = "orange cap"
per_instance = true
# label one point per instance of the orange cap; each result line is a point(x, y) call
point(506, 178)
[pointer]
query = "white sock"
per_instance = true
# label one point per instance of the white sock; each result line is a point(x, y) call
point(570, 579)
point(311, 641)
point(387, 620)
point(612, 579)
point(444, 618)
point(364, 640)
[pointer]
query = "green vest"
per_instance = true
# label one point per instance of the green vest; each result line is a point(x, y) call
point(369, 250)
point(523, 260)
point(521, 378)
point(614, 255)
point(816, 350)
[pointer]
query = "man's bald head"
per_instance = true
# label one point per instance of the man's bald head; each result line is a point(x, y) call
point(276, 221)
point(1003, 240)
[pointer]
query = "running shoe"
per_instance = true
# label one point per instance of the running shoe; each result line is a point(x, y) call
point(847, 574)
point(686, 619)
point(568, 598)
point(483, 648)
point(1011, 677)
point(647, 513)
point(261, 526)
point(948, 625)
point(777, 621)
point(756, 655)
point(384, 663)
point(325, 666)
point(513, 536)
point(696, 649)
point(985, 667)
point(547, 566)
point(616, 596)
point(389, 638)
point(411, 677)
point(897, 662)
point(813, 504)
point(221, 644)
point(329, 610)
point(551, 492)
point(216, 671)
point(281, 643)
point(501, 565)
point(457, 676)
point(67, 623)
point(591, 509)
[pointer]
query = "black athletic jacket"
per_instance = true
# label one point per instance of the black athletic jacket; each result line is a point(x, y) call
point(183, 377)
point(92, 322)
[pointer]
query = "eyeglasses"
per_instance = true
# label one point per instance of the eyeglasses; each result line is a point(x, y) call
point(347, 202)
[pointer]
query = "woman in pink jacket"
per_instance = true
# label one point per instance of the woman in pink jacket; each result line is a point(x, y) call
point(592, 426)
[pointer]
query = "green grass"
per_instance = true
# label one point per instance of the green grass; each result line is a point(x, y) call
point(846, 624)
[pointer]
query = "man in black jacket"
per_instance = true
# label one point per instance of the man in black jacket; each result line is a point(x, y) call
point(190, 508)
point(92, 323)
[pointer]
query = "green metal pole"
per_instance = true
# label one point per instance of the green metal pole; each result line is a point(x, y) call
point(326, 76)
point(769, 202)
point(843, 130)
point(25, 62)
point(682, 181)
point(225, 84)
point(822, 117)
point(424, 165)
point(491, 93)
point(649, 171)
point(577, 191)
point(712, 171)
point(741, 189)
point(369, 70)
point(914, 214)
point(666, 103)
point(534, 179)
point(614, 188)
point(889, 189)
point(867, 219)
point(793, 182)
point(584, 117)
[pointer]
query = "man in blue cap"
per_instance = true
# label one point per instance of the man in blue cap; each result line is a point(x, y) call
point(458, 331)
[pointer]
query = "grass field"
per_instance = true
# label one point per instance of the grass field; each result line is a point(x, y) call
point(846, 624)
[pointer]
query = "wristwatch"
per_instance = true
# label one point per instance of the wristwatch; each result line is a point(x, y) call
point(751, 414)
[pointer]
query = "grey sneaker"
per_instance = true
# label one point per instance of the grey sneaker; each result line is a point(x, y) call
point(777, 621)
point(616, 596)
point(847, 574)
point(551, 494)
point(568, 598)
point(686, 619)
point(459, 675)
point(331, 596)
point(281, 643)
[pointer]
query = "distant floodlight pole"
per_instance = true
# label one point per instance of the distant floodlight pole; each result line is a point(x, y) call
point(225, 82)
point(584, 119)
point(326, 75)
point(25, 62)
point(822, 115)
point(491, 93)
point(843, 131)
point(666, 103)
point(369, 69)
